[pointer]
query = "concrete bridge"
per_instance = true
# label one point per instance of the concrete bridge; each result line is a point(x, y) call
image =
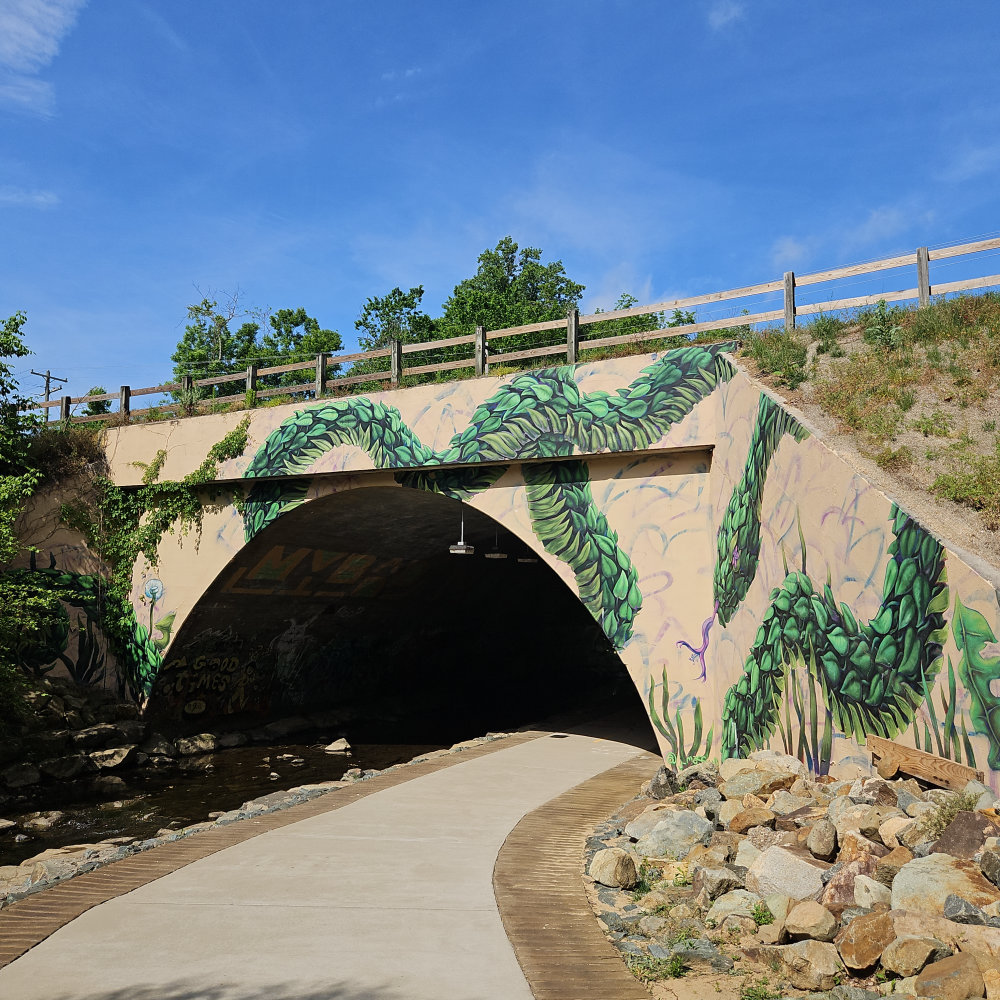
point(656, 517)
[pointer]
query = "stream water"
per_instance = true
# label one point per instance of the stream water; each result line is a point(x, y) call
point(152, 802)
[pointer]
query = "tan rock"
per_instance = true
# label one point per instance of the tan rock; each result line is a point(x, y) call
point(770, 934)
point(822, 840)
point(728, 810)
point(839, 891)
point(753, 802)
point(614, 867)
point(863, 940)
point(853, 844)
point(906, 956)
point(888, 867)
point(749, 818)
point(870, 893)
point(892, 826)
point(810, 920)
point(808, 965)
point(778, 870)
point(924, 883)
point(991, 979)
point(954, 978)
point(959, 937)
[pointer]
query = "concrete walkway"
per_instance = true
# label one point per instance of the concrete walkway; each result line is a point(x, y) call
point(390, 896)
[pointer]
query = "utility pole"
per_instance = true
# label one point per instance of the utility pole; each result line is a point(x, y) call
point(49, 379)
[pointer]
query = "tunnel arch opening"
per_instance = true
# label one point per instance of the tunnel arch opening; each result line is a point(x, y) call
point(353, 605)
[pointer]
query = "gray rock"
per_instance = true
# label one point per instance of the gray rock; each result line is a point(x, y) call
point(62, 768)
point(94, 737)
point(109, 760)
point(648, 818)
point(159, 746)
point(706, 772)
point(843, 992)
point(7, 826)
point(924, 884)
point(338, 746)
point(759, 783)
point(822, 840)
point(21, 775)
point(188, 746)
point(229, 740)
point(908, 954)
point(663, 783)
point(700, 955)
point(778, 870)
point(868, 893)
point(961, 911)
point(716, 881)
point(739, 903)
point(989, 864)
point(675, 835)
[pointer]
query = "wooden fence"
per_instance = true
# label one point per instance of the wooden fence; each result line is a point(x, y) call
point(487, 347)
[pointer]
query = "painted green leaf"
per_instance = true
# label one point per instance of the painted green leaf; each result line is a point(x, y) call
point(972, 632)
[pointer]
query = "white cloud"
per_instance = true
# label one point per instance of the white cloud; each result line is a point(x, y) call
point(30, 34)
point(790, 252)
point(973, 161)
point(723, 13)
point(12, 197)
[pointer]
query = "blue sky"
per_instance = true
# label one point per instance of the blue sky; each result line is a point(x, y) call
point(313, 152)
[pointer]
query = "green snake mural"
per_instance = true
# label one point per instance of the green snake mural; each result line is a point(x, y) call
point(538, 415)
point(738, 541)
point(873, 676)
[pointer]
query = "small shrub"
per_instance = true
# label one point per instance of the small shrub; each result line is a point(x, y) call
point(936, 822)
point(976, 484)
point(825, 330)
point(649, 875)
point(762, 915)
point(935, 424)
point(780, 353)
point(651, 970)
point(880, 326)
point(892, 459)
point(906, 400)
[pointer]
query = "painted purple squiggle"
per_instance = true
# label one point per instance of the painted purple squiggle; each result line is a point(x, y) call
point(703, 648)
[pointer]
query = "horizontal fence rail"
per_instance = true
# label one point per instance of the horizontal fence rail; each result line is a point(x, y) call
point(488, 346)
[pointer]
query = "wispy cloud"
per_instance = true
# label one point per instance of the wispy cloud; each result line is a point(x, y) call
point(392, 75)
point(13, 197)
point(723, 13)
point(31, 32)
point(791, 252)
point(973, 161)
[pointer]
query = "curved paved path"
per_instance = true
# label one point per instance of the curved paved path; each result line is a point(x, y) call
point(388, 896)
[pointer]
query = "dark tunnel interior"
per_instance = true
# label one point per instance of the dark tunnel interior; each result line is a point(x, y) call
point(353, 604)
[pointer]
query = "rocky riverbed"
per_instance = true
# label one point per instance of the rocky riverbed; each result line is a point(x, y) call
point(756, 881)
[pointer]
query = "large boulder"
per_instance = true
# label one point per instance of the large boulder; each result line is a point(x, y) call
point(907, 955)
point(925, 883)
point(648, 818)
point(810, 920)
point(778, 870)
point(863, 940)
point(749, 818)
point(806, 965)
point(21, 775)
point(109, 760)
point(838, 894)
point(739, 903)
point(614, 867)
point(715, 882)
point(965, 835)
point(675, 835)
point(188, 746)
point(662, 784)
point(759, 783)
point(822, 840)
point(954, 978)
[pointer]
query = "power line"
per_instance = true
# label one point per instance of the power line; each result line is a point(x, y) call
point(49, 379)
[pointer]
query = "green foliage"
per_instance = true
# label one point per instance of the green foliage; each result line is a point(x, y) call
point(935, 823)
point(295, 336)
point(894, 459)
point(394, 316)
point(779, 353)
point(826, 331)
point(762, 915)
point(880, 326)
point(97, 407)
point(758, 989)
point(651, 970)
point(649, 876)
point(975, 482)
point(937, 424)
point(625, 326)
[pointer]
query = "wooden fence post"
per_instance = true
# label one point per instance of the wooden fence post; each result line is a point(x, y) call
point(187, 383)
point(396, 361)
point(64, 409)
point(572, 335)
point(251, 378)
point(125, 400)
point(480, 351)
point(789, 300)
point(923, 277)
point(320, 375)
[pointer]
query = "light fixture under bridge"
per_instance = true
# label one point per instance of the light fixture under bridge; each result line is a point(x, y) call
point(460, 548)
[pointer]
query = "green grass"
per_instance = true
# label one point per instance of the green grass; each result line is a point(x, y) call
point(649, 876)
point(779, 353)
point(975, 483)
point(762, 915)
point(935, 424)
point(758, 989)
point(894, 459)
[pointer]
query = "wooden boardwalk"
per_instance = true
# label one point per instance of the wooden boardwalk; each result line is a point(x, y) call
point(543, 902)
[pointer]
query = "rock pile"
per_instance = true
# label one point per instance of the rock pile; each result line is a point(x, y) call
point(886, 884)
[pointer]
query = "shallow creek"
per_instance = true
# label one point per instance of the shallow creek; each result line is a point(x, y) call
point(213, 783)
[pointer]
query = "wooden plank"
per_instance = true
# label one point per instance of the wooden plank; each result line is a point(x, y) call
point(892, 758)
point(963, 248)
point(444, 366)
point(967, 285)
point(693, 300)
point(680, 331)
point(859, 300)
point(514, 331)
point(298, 366)
point(91, 419)
point(431, 345)
point(286, 390)
point(342, 359)
point(221, 379)
point(358, 379)
point(91, 399)
point(903, 260)
point(534, 352)
point(149, 390)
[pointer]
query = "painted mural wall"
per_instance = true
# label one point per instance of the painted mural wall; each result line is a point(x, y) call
point(758, 593)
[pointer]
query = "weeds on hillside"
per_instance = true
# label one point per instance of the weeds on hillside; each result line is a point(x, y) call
point(976, 484)
point(778, 352)
point(651, 970)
